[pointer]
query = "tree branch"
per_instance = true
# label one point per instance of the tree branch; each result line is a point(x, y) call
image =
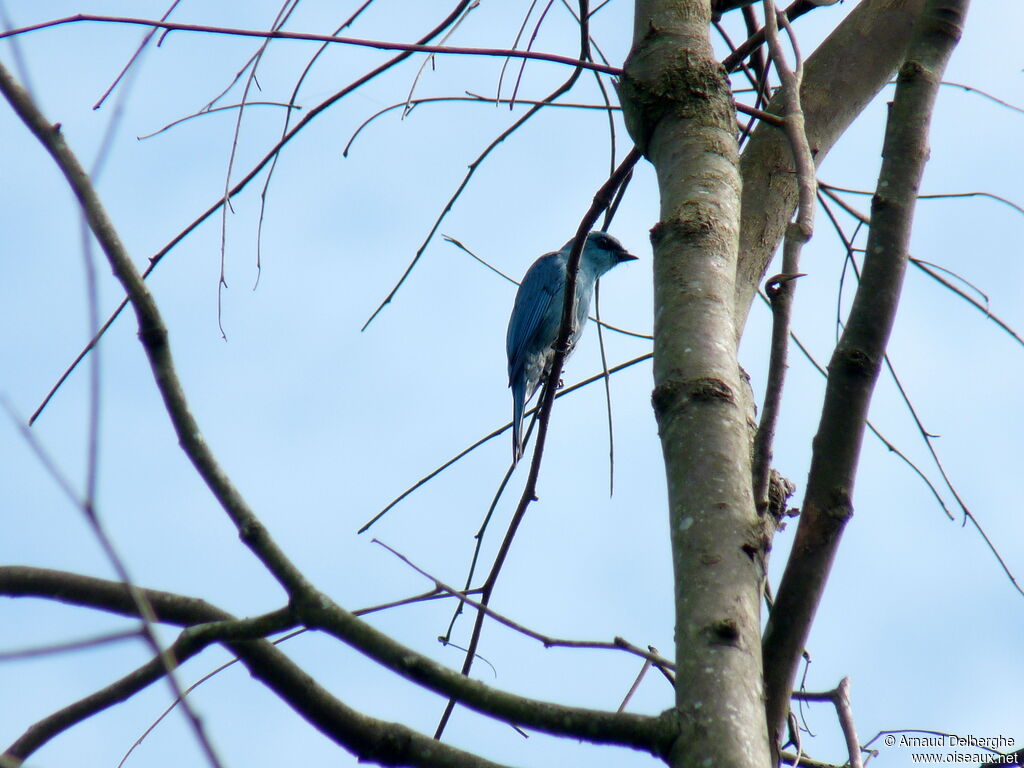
point(189, 643)
point(369, 739)
point(857, 359)
point(154, 338)
point(843, 75)
point(382, 45)
point(782, 288)
point(678, 107)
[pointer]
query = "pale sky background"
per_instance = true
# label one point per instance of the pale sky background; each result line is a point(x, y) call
point(321, 425)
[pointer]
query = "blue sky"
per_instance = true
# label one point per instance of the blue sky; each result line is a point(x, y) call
point(320, 425)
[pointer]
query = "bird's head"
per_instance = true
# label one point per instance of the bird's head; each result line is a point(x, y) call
point(601, 252)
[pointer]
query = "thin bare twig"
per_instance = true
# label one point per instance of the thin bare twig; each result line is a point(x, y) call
point(781, 289)
point(840, 699)
point(213, 110)
point(491, 435)
point(636, 684)
point(429, 60)
point(566, 86)
point(272, 155)
point(135, 56)
point(926, 435)
point(71, 645)
point(618, 644)
point(383, 45)
point(515, 45)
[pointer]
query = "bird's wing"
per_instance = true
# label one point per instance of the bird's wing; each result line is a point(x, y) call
point(539, 294)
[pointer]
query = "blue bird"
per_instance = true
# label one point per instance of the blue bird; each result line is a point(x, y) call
point(537, 315)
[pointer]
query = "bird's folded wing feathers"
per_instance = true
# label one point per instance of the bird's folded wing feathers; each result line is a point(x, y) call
point(541, 287)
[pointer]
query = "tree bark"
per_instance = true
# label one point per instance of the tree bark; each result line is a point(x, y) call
point(842, 76)
point(678, 107)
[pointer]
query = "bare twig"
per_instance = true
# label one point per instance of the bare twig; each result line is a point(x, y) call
point(282, 17)
point(565, 87)
point(983, 94)
point(840, 699)
point(926, 436)
point(71, 645)
point(618, 644)
point(138, 52)
point(153, 335)
point(382, 45)
point(214, 110)
point(781, 289)
point(636, 684)
point(490, 436)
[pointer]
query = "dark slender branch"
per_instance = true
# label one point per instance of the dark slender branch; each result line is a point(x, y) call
point(282, 18)
point(858, 357)
point(782, 289)
point(450, 19)
point(565, 87)
point(154, 338)
point(190, 642)
point(602, 199)
point(409, 106)
point(984, 95)
point(839, 697)
point(495, 433)
point(369, 739)
point(134, 57)
point(214, 110)
point(272, 155)
point(927, 436)
point(71, 645)
point(382, 45)
point(618, 644)
point(929, 269)
point(752, 43)
point(640, 732)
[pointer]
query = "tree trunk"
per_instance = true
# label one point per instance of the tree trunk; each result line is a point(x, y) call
point(679, 110)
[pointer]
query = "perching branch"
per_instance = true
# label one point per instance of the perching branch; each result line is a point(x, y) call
point(856, 362)
point(602, 199)
point(314, 607)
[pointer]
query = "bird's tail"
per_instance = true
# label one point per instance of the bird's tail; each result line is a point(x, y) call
point(518, 406)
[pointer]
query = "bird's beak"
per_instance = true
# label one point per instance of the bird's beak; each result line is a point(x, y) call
point(624, 256)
